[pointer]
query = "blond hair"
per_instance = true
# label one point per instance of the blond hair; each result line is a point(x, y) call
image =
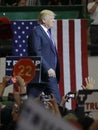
point(44, 14)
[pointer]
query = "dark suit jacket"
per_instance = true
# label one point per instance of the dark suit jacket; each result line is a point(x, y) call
point(39, 45)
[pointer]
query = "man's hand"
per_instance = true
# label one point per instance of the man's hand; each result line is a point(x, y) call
point(19, 86)
point(20, 81)
point(51, 73)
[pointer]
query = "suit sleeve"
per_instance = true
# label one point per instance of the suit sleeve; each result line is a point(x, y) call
point(35, 48)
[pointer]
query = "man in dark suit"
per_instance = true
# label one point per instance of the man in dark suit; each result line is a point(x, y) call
point(41, 44)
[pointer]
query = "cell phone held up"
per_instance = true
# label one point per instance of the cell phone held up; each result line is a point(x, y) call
point(45, 98)
point(70, 95)
point(12, 80)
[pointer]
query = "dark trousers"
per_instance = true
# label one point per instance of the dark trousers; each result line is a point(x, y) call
point(34, 90)
point(53, 88)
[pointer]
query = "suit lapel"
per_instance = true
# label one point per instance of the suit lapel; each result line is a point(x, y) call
point(45, 35)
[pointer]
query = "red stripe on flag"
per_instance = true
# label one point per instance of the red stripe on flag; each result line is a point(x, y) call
point(60, 53)
point(84, 50)
point(72, 58)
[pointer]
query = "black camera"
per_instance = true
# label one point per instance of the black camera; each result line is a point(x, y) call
point(71, 95)
point(45, 98)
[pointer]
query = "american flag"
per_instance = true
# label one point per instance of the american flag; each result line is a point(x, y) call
point(21, 30)
point(70, 37)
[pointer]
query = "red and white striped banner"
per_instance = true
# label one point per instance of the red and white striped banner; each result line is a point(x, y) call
point(71, 39)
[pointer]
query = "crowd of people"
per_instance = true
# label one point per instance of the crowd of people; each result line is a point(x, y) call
point(39, 2)
point(10, 113)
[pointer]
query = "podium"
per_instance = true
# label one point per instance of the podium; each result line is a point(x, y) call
point(12, 60)
point(35, 86)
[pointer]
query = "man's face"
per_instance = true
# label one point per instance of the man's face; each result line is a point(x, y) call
point(49, 21)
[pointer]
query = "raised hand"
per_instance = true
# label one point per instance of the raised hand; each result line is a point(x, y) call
point(89, 83)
